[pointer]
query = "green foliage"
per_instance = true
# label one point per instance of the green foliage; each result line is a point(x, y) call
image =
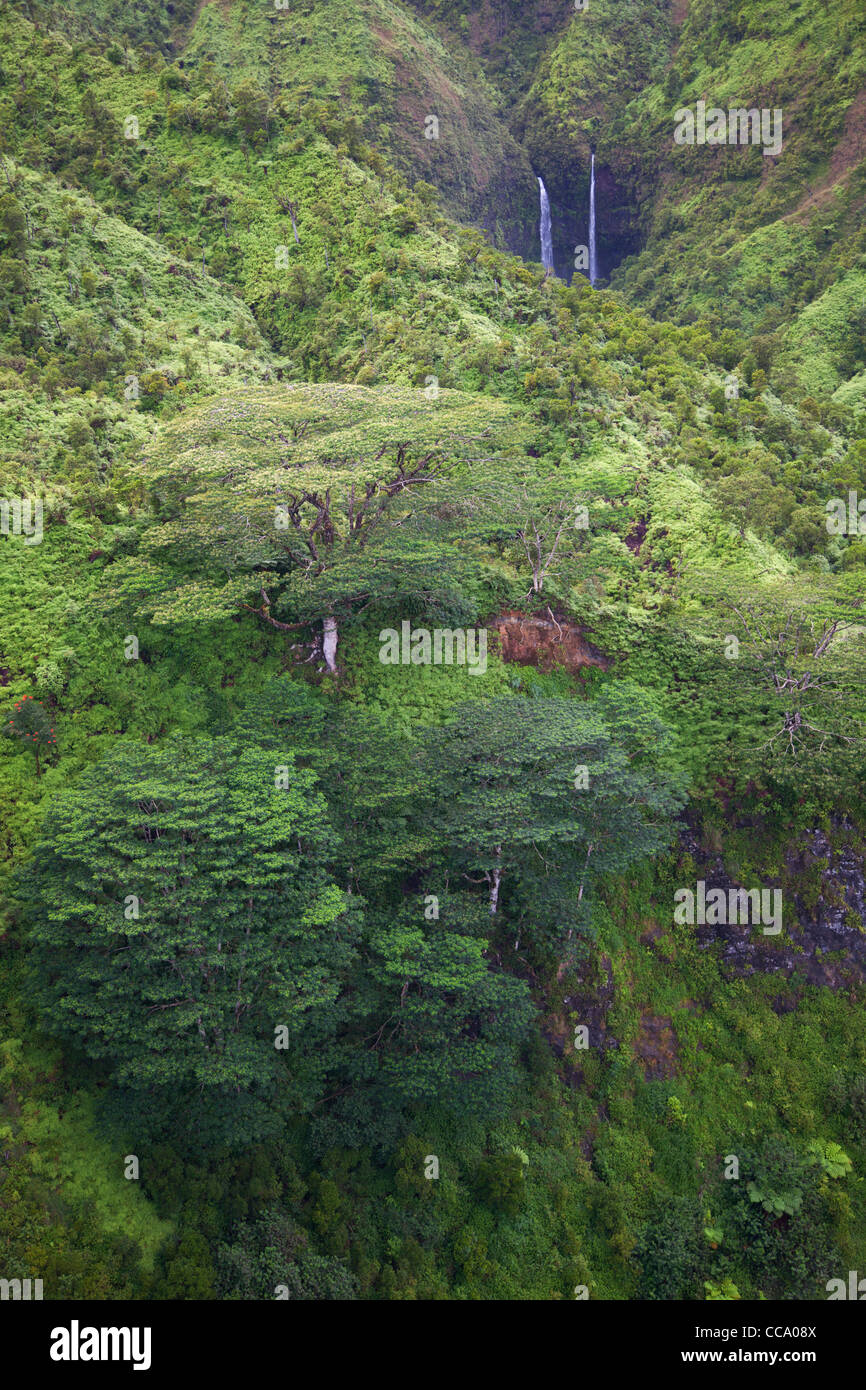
point(551, 792)
point(830, 1157)
point(272, 1259)
point(162, 958)
point(726, 1291)
point(31, 722)
point(362, 464)
point(500, 1182)
point(452, 1024)
point(264, 384)
point(670, 1252)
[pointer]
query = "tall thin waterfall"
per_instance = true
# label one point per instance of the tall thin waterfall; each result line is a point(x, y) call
point(593, 258)
point(546, 237)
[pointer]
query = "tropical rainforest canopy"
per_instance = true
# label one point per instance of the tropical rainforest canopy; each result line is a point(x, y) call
point(394, 624)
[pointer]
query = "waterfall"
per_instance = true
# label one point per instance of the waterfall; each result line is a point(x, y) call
point(546, 238)
point(593, 259)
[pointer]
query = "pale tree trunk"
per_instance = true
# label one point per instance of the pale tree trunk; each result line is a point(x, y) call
point(329, 644)
point(495, 880)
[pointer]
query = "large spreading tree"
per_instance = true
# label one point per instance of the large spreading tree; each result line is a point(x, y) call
point(186, 932)
point(550, 792)
point(305, 505)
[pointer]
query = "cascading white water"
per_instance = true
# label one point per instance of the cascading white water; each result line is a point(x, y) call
point(593, 260)
point(546, 237)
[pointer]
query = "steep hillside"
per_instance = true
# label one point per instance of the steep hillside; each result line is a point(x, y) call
point(770, 243)
point(430, 111)
point(377, 71)
point(398, 637)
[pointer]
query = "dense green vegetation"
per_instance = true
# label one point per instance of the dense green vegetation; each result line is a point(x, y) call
point(358, 974)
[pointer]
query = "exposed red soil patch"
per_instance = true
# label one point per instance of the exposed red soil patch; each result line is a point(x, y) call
point(544, 643)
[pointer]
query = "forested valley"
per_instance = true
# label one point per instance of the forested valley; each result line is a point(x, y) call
point(433, 565)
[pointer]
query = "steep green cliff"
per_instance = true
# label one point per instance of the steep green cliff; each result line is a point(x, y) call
point(293, 395)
